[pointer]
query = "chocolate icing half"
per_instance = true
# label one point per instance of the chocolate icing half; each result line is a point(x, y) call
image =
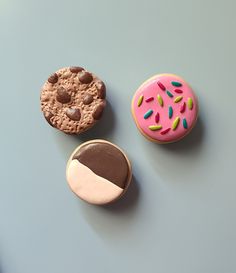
point(106, 161)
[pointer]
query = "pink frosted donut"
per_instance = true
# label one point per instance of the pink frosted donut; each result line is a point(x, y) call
point(165, 108)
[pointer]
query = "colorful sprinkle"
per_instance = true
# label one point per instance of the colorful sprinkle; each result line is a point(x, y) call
point(148, 114)
point(169, 94)
point(149, 99)
point(157, 117)
point(165, 131)
point(182, 108)
point(177, 84)
point(178, 91)
point(170, 112)
point(155, 127)
point(185, 124)
point(190, 103)
point(140, 100)
point(175, 123)
point(161, 86)
point(178, 99)
point(160, 100)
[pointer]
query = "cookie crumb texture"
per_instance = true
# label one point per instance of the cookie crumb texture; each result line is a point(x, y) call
point(73, 99)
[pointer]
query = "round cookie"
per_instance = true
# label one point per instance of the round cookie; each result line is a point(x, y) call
point(98, 172)
point(165, 108)
point(73, 99)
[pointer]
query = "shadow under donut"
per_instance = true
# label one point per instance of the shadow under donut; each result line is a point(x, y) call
point(179, 160)
point(190, 143)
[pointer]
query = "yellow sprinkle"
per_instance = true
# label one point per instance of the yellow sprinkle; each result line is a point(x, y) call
point(177, 99)
point(140, 100)
point(160, 100)
point(175, 123)
point(155, 127)
point(190, 103)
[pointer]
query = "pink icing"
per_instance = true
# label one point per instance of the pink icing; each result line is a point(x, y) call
point(151, 88)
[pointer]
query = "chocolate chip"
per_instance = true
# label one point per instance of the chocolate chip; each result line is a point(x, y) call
point(48, 116)
point(73, 113)
point(63, 96)
point(53, 78)
point(88, 98)
point(85, 77)
point(76, 69)
point(101, 89)
point(97, 114)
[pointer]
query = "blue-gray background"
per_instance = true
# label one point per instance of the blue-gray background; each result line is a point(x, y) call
point(179, 215)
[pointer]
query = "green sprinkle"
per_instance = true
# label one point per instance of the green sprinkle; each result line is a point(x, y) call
point(155, 127)
point(169, 94)
point(160, 100)
point(148, 114)
point(140, 101)
point(175, 123)
point(185, 124)
point(190, 103)
point(177, 84)
point(170, 112)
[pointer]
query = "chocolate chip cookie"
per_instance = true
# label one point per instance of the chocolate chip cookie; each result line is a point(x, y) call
point(73, 99)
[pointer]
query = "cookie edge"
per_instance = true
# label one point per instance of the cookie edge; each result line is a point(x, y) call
point(129, 176)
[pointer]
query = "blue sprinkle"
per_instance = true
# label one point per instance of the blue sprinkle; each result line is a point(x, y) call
point(170, 112)
point(177, 84)
point(169, 94)
point(148, 114)
point(185, 124)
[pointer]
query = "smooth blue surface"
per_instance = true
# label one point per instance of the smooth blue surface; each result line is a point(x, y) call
point(179, 215)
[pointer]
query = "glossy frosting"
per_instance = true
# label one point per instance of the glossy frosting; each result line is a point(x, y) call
point(165, 108)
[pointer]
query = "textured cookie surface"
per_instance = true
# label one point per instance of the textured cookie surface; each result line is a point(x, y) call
point(73, 99)
point(165, 108)
point(98, 172)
